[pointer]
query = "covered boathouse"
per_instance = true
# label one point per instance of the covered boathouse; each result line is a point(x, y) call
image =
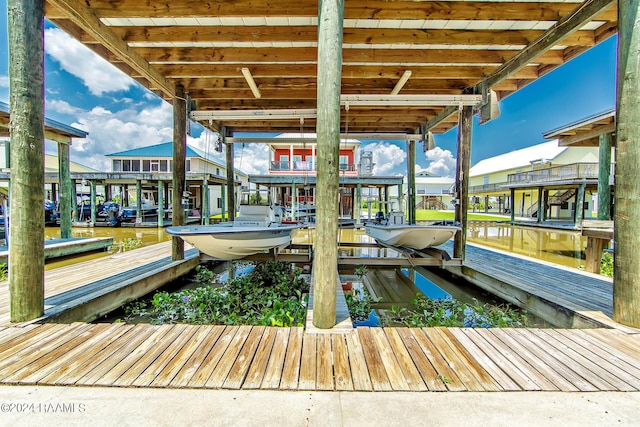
point(397, 70)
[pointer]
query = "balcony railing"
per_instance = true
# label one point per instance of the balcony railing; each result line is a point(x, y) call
point(570, 172)
point(486, 188)
point(278, 166)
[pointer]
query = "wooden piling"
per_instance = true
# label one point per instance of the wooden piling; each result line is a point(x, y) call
point(626, 277)
point(465, 123)
point(231, 189)
point(330, 26)
point(604, 175)
point(160, 204)
point(179, 153)
point(64, 196)
point(411, 181)
point(26, 125)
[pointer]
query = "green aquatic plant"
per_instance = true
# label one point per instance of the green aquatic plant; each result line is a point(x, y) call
point(430, 312)
point(272, 294)
point(125, 245)
point(606, 265)
point(4, 272)
point(359, 304)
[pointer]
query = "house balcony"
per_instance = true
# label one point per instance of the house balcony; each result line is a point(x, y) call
point(555, 175)
point(299, 168)
point(488, 188)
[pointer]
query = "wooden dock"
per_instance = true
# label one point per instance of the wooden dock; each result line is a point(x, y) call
point(563, 296)
point(87, 290)
point(57, 248)
point(366, 359)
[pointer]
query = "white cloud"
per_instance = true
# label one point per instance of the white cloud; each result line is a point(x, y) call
point(442, 163)
point(4, 81)
point(60, 106)
point(252, 158)
point(96, 73)
point(387, 157)
point(113, 131)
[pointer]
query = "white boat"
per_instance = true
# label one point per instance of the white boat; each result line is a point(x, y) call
point(254, 230)
point(394, 232)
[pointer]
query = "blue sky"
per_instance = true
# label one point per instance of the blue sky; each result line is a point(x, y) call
point(85, 91)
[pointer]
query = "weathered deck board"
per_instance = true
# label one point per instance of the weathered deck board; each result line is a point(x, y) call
point(570, 289)
point(366, 359)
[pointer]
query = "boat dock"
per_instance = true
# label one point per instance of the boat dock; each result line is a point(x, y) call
point(366, 359)
point(563, 296)
point(88, 290)
point(57, 248)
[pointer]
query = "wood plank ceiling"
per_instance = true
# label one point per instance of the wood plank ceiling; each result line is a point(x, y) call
point(448, 47)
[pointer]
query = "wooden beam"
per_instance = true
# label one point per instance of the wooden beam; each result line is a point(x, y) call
point(462, 180)
point(374, 36)
point(26, 82)
point(179, 176)
point(567, 25)
point(626, 276)
point(85, 18)
point(330, 26)
point(566, 141)
point(354, 9)
point(168, 55)
point(604, 174)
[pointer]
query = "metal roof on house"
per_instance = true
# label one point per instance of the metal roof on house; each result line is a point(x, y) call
point(518, 158)
point(165, 149)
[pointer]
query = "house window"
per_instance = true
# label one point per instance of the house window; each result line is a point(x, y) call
point(146, 165)
point(155, 165)
point(219, 203)
point(163, 166)
point(187, 167)
point(486, 180)
point(117, 166)
point(126, 166)
point(344, 163)
point(135, 165)
point(218, 171)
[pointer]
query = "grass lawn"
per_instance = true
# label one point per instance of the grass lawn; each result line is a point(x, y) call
point(433, 215)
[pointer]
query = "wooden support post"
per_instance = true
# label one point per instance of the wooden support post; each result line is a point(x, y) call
point(64, 178)
point(545, 205)
point(358, 205)
point(330, 27)
point(179, 178)
point(579, 211)
point(511, 204)
point(231, 191)
point(223, 206)
point(139, 217)
point(462, 179)
point(294, 201)
point(541, 206)
point(92, 187)
point(604, 175)
point(626, 276)
point(26, 127)
point(411, 181)
point(205, 211)
point(160, 204)
point(486, 204)
point(74, 201)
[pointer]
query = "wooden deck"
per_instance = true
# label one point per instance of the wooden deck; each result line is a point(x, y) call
point(366, 359)
point(75, 284)
point(569, 289)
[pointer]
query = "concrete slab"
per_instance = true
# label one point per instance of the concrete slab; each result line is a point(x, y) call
point(102, 406)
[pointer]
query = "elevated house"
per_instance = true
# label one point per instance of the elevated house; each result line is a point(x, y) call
point(292, 175)
point(544, 182)
point(434, 192)
point(150, 170)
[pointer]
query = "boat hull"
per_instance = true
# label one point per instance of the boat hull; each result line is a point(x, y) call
point(411, 236)
point(227, 242)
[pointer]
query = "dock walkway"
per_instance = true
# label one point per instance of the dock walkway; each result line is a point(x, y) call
point(75, 285)
point(366, 359)
point(567, 288)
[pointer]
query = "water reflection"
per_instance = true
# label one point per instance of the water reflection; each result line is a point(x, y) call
point(148, 236)
point(562, 247)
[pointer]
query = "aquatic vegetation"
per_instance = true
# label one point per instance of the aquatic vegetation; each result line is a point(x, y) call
point(271, 295)
point(428, 312)
point(4, 272)
point(359, 303)
point(606, 265)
